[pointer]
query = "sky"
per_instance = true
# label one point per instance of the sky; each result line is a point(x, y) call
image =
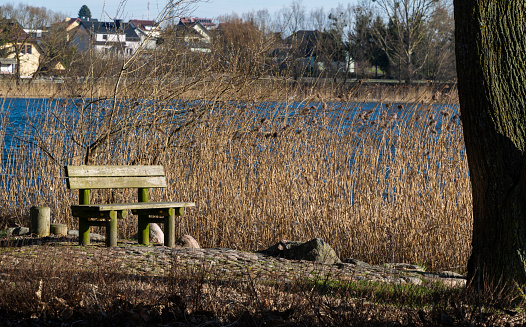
point(138, 9)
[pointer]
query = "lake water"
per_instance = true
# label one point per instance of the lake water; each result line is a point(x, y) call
point(19, 117)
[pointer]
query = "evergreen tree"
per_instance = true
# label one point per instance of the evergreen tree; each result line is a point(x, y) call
point(84, 12)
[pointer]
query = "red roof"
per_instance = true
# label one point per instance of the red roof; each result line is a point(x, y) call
point(141, 24)
point(15, 32)
point(203, 21)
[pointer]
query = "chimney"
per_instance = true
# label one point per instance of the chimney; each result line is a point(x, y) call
point(118, 23)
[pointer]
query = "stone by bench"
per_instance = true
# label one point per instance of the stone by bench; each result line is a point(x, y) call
point(86, 178)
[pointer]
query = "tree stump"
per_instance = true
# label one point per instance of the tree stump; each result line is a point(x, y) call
point(59, 229)
point(40, 219)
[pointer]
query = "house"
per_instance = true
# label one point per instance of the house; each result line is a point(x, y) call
point(35, 33)
point(312, 51)
point(7, 66)
point(304, 45)
point(78, 35)
point(108, 38)
point(205, 22)
point(19, 52)
point(148, 32)
point(196, 37)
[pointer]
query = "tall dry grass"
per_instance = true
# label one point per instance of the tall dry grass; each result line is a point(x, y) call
point(381, 184)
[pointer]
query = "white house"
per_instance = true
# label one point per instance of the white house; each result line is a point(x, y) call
point(196, 37)
point(148, 32)
point(108, 38)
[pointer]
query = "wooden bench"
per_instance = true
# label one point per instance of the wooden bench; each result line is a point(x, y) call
point(86, 178)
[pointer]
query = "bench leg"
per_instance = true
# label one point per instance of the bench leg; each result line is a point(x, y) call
point(84, 231)
point(111, 230)
point(169, 229)
point(143, 236)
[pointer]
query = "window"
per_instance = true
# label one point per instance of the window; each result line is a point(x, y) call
point(104, 36)
point(26, 49)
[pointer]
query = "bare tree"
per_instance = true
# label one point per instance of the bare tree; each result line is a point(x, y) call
point(261, 19)
point(440, 43)
point(407, 30)
point(318, 19)
point(292, 18)
point(30, 17)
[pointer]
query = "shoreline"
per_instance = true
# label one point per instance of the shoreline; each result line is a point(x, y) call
point(302, 91)
point(153, 259)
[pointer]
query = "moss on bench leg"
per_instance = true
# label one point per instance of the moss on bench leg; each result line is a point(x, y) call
point(143, 233)
point(111, 229)
point(84, 231)
point(143, 236)
point(169, 226)
point(169, 229)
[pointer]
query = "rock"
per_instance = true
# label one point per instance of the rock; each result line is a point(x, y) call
point(17, 231)
point(357, 262)
point(453, 282)
point(93, 236)
point(314, 250)
point(187, 241)
point(403, 266)
point(156, 234)
point(413, 280)
point(23, 230)
point(450, 274)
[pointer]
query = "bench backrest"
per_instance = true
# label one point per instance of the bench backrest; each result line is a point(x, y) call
point(103, 177)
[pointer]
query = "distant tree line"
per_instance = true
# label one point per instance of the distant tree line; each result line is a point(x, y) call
point(402, 39)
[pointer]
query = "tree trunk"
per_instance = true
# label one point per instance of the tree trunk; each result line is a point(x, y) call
point(17, 70)
point(491, 59)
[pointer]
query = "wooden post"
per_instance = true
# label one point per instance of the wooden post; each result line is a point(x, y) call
point(169, 229)
point(169, 226)
point(40, 220)
point(84, 227)
point(111, 229)
point(143, 234)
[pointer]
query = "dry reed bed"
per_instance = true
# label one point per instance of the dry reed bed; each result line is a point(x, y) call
point(392, 186)
point(275, 89)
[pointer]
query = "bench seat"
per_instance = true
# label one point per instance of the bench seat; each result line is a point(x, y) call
point(130, 206)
